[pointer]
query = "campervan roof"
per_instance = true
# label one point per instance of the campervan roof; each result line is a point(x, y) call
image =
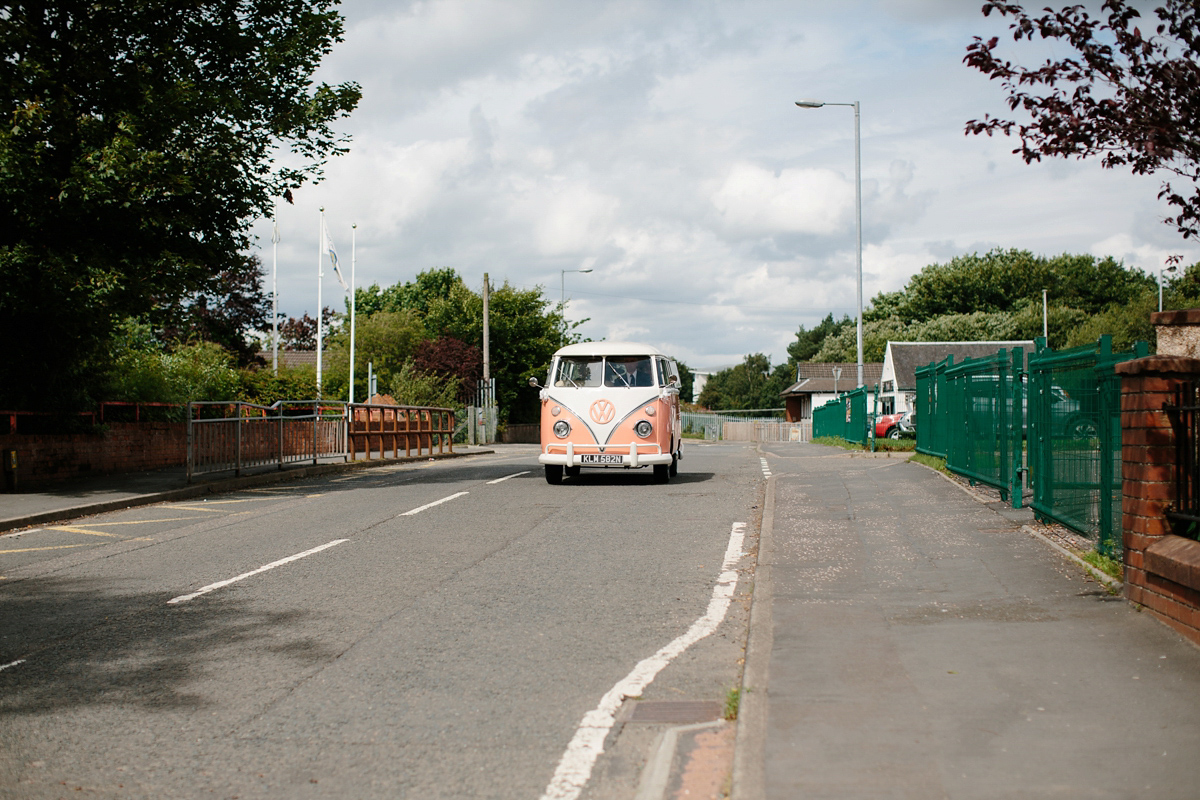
point(609, 349)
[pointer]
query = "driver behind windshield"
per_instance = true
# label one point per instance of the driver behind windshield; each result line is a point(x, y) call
point(628, 371)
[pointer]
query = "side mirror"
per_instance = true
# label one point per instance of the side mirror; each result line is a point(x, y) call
point(533, 381)
point(674, 381)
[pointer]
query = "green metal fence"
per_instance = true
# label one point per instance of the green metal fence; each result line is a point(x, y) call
point(1062, 426)
point(844, 417)
point(1075, 438)
point(986, 432)
point(933, 422)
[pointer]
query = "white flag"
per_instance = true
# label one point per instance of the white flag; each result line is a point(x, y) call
point(333, 257)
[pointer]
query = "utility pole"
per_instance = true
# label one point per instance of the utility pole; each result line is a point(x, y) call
point(275, 289)
point(487, 372)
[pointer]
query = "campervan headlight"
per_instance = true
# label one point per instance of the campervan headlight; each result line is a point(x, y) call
point(643, 428)
point(562, 428)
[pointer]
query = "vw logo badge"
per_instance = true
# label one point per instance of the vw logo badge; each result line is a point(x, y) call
point(602, 412)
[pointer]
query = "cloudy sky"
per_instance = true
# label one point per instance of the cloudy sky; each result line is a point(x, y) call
point(656, 142)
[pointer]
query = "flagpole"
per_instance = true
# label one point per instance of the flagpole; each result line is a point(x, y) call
point(320, 275)
point(353, 297)
point(275, 289)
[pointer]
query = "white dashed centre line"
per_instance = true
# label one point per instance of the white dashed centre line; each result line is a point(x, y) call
point(213, 586)
point(11, 664)
point(427, 506)
point(506, 477)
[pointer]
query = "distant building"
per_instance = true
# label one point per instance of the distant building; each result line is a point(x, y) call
point(898, 382)
point(815, 385)
point(291, 358)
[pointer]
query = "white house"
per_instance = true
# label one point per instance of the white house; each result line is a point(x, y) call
point(898, 382)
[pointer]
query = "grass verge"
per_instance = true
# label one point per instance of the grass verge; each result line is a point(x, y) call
point(933, 462)
point(881, 445)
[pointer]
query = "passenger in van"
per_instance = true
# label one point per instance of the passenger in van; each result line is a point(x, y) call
point(628, 372)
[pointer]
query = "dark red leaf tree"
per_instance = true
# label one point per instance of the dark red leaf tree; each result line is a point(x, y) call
point(1132, 97)
point(448, 357)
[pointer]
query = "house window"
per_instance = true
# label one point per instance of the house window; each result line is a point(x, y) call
point(888, 405)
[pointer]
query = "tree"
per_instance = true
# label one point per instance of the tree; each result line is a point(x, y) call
point(138, 147)
point(235, 304)
point(751, 384)
point(451, 359)
point(808, 343)
point(687, 382)
point(386, 341)
point(301, 333)
point(1132, 97)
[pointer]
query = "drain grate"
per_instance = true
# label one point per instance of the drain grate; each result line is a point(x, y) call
point(675, 712)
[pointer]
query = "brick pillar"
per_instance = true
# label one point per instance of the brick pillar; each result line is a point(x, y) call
point(1162, 571)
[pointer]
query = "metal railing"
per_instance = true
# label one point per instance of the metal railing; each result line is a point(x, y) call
point(419, 428)
point(235, 436)
point(1184, 511)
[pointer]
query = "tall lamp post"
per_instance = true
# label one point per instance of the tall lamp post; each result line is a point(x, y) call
point(857, 215)
point(563, 283)
point(1160, 283)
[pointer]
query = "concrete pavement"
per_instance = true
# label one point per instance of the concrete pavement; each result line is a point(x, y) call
point(909, 641)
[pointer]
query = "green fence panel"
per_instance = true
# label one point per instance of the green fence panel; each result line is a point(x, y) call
point(855, 415)
point(933, 423)
point(827, 419)
point(1075, 438)
point(844, 417)
point(984, 421)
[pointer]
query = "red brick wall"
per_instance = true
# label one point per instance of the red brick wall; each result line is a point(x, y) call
point(1162, 571)
point(125, 447)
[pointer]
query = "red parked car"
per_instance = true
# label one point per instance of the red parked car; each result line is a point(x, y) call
point(888, 425)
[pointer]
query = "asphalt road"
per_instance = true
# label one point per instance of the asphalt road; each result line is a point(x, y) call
point(440, 632)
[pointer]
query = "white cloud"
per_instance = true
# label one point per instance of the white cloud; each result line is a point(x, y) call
point(755, 202)
point(663, 150)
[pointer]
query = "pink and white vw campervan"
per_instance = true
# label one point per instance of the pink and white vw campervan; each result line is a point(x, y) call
point(610, 405)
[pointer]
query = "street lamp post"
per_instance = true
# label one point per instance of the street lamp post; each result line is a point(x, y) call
point(857, 215)
point(563, 283)
point(1160, 283)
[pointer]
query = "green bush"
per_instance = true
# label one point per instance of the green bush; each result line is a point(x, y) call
point(144, 371)
point(412, 387)
point(264, 387)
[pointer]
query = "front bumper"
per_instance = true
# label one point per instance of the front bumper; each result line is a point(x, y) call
point(632, 455)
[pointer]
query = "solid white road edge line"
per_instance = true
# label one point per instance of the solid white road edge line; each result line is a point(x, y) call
point(506, 477)
point(575, 767)
point(431, 505)
point(212, 586)
point(11, 664)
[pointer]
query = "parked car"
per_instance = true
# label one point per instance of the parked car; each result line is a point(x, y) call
point(890, 426)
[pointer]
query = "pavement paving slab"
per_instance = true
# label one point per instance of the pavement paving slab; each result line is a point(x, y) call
point(923, 645)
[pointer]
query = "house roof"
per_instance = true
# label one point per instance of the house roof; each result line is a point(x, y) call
point(291, 358)
point(816, 377)
point(907, 357)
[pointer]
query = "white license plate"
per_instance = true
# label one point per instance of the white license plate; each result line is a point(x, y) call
point(601, 458)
